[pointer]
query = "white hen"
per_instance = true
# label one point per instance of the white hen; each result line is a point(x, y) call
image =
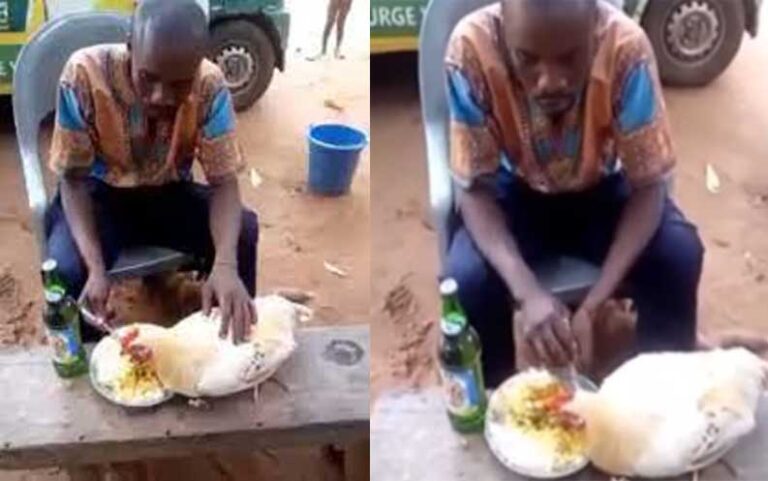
point(191, 359)
point(665, 414)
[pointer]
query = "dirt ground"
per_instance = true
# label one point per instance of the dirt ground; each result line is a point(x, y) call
point(723, 124)
point(299, 232)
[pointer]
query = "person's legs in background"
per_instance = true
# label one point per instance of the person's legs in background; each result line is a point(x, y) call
point(341, 19)
point(330, 19)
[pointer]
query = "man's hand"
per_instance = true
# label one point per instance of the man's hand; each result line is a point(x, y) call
point(546, 330)
point(582, 325)
point(237, 309)
point(95, 296)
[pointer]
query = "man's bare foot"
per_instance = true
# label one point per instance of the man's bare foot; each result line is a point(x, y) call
point(339, 55)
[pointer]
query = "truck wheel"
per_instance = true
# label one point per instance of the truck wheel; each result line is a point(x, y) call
point(244, 52)
point(694, 40)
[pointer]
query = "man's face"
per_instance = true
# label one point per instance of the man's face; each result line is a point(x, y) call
point(162, 76)
point(551, 51)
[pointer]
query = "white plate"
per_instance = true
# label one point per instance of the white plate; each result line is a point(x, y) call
point(99, 352)
point(507, 444)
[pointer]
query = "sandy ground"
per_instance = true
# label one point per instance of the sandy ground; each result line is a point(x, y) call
point(723, 124)
point(299, 232)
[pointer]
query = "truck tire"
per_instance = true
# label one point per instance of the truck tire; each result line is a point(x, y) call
point(694, 40)
point(245, 54)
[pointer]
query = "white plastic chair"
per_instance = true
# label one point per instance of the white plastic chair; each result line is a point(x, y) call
point(35, 83)
point(567, 278)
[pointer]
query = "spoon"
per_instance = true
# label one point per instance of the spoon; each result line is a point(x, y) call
point(98, 321)
point(568, 375)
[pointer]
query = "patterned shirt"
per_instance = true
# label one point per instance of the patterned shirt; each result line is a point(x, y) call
point(101, 129)
point(619, 122)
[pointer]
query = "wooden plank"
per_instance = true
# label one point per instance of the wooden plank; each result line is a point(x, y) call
point(411, 440)
point(357, 461)
point(321, 397)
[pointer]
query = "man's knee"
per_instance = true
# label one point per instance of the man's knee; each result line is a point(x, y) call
point(466, 266)
point(249, 227)
point(681, 252)
point(480, 288)
point(70, 268)
point(68, 262)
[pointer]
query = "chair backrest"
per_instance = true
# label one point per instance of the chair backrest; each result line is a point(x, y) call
point(36, 78)
point(438, 23)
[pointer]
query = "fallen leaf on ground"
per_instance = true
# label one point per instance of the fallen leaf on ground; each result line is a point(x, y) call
point(296, 295)
point(256, 179)
point(334, 269)
point(713, 180)
point(333, 105)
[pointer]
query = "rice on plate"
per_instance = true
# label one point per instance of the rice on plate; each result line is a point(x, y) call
point(527, 431)
point(124, 375)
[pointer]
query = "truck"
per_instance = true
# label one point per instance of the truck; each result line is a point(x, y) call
point(694, 40)
point(248, 37)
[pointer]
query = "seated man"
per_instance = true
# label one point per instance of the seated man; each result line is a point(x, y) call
point(130, 120)
point(561, 144)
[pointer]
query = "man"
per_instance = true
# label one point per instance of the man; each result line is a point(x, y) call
point(130, 120)
point(337, 14)
point(560, 140)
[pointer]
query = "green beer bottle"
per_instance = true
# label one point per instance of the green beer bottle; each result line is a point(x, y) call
point(62, 320)
point(52, 281)
point(460, 365)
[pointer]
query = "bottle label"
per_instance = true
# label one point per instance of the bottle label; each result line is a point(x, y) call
point(462, 392)
point(65, 343)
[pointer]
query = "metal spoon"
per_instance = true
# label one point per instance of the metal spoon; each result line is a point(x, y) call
point(97, 321)
point(568, 375)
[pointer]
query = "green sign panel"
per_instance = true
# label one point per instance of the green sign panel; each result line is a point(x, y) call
point(396, 18)
point(13, 15)
point(8, 54)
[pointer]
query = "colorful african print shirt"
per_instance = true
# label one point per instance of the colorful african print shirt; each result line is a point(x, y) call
point(101, 130)
point(619, 122)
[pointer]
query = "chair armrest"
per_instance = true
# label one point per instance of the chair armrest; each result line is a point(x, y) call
point(36, 195)
point(440, 186)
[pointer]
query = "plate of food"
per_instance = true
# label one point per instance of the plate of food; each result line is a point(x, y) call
point(121, 368)
point(527, 430)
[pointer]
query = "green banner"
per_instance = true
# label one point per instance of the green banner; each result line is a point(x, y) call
point(396, 18)
point(13, 15)
point(8, 54)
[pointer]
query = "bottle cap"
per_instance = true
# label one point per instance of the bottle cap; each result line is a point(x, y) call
point(450, 328)
point(50, 265)
point(449, 287)
point(53, 296)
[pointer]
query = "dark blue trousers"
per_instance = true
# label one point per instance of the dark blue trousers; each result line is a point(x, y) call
point(173, 216)
point(663, 282)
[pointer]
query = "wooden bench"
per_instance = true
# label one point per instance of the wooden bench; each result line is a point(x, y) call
point(320, 396)
point(411, 440)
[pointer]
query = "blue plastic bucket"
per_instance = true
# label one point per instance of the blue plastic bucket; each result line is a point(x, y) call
point(334, 151)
